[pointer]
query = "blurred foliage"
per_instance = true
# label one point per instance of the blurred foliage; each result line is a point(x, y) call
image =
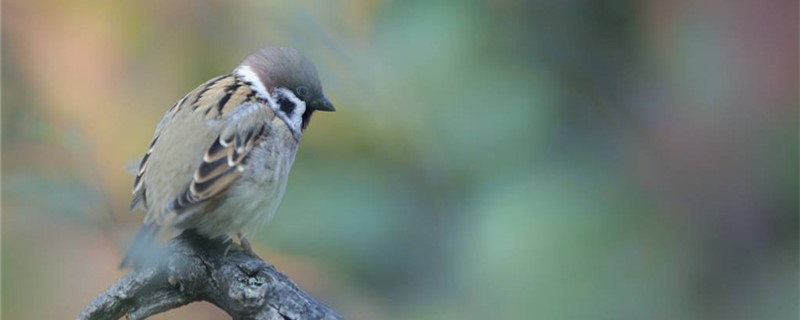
point(495, 159)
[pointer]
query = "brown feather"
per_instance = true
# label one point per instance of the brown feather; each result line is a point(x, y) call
point(220, 163)
point(138, 182)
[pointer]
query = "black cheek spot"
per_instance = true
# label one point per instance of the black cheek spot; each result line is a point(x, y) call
point(287, 106)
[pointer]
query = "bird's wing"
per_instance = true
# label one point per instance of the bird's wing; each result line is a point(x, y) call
point(193, 97)
point(234, 120)
point(222, 163)
point(138, 181)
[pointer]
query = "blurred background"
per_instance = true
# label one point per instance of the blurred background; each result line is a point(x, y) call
point(489, 159)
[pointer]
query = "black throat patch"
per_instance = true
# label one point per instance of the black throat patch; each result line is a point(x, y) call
point(306, 119)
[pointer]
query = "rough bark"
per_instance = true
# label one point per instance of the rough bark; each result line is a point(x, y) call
point(200, 269)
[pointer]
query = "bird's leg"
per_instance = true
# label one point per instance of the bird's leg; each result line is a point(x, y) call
point(231, 244)
point(246, 245)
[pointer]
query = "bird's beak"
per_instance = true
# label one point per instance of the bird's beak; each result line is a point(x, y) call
point(322, 104)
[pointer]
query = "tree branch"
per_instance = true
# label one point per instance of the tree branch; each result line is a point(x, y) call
point(198, 269)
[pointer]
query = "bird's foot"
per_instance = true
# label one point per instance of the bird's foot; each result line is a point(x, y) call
point(245, 246)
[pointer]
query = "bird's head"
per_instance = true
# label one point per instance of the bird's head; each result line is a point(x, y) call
point(288, 77)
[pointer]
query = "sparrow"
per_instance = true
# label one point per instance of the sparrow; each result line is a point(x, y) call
point(220, 157)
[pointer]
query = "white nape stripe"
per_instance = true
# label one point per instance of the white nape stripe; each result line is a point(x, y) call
point(295, 118)
point(250, 76)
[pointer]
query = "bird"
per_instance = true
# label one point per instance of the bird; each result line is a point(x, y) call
point(220, 157)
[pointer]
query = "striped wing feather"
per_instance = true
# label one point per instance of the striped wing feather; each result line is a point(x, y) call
point(222, 165)
point(220, 99)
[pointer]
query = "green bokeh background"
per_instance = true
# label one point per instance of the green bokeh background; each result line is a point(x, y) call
point(495, 159)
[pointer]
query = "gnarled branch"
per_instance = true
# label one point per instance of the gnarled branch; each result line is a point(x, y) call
point(199, 269)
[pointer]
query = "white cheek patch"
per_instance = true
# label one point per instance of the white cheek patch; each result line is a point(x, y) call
point(295, 118)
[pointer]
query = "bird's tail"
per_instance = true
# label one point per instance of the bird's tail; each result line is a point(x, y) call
point(143, 250)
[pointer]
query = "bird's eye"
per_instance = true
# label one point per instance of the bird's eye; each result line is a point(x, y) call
point(302, 91)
